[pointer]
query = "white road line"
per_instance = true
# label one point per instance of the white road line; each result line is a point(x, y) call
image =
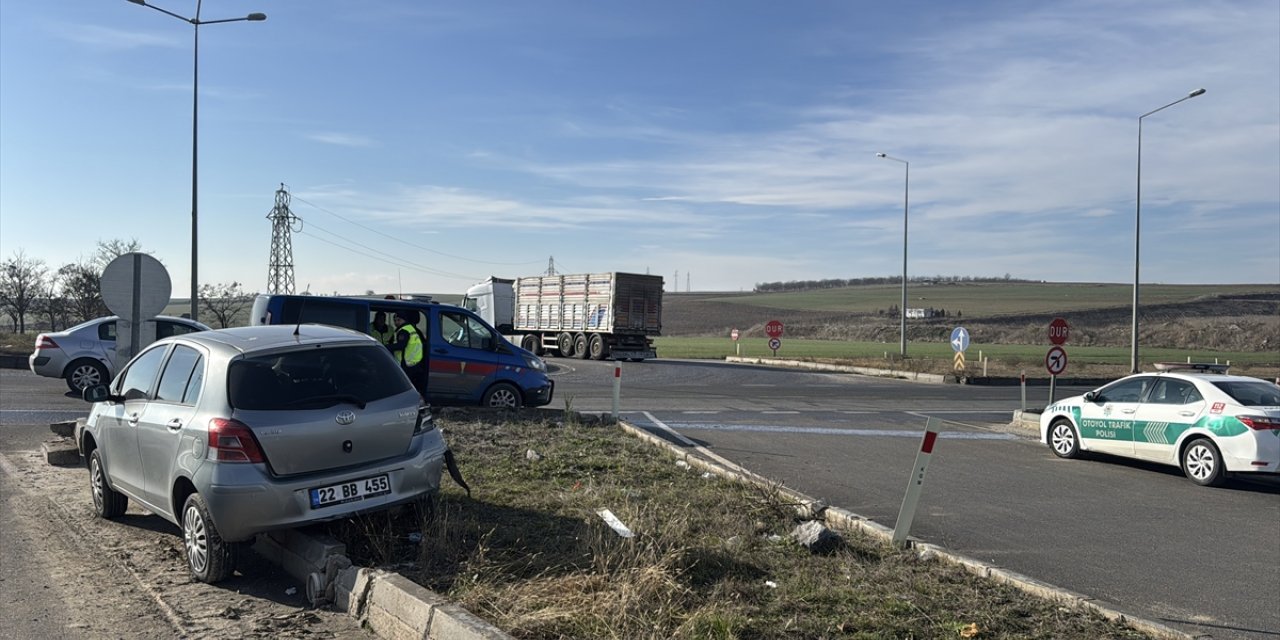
point(699, 412)
point(759, 385)
point(893, 433)
point(773, 413)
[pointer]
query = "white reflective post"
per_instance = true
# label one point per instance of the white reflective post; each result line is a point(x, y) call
point(902, 526)
point(617, 388)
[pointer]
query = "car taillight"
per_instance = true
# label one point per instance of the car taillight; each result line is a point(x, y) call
point(45, 342)
point(1260, 423)
point(425, 421)
point(233, 441)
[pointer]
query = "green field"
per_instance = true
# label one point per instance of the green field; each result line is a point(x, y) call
point(977, 300)
point(1030, 356)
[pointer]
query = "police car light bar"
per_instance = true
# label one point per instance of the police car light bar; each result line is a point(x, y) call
point(1198, 367)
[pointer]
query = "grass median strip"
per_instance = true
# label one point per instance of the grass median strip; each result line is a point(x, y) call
point(710, 558)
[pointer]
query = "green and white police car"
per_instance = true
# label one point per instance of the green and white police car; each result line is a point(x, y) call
point(1191, 415)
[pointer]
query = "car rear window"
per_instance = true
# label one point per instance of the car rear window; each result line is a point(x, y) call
point(1251, 393)
point(315, 378)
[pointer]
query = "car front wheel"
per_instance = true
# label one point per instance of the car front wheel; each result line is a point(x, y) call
point(501, 396)
point(83, 374)
point(1063, 439)
point(209, 557)
point(1203, 464)
point(107, 502)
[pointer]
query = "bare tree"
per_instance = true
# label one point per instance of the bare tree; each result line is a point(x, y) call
point(109, 250)
point(82, 290)
point(51, 305)
point(22, 280)
point(225, 301)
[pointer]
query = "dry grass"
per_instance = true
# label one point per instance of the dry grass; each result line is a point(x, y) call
point(710, 558)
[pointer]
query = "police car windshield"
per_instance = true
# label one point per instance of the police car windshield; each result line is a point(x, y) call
point(1251, 393)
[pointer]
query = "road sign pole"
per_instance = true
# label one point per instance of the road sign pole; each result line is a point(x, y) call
point(902, 526)
point(1053, 384)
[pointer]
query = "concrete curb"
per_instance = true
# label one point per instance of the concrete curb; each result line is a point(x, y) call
point(844, 520)
point(389, 604)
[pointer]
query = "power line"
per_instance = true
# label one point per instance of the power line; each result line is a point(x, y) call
point(388, 258)
point(403, 241)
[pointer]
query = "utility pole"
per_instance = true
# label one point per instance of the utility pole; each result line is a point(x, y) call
point(686, 282)
point(280, 265)
point(551, 266)
point(675, 283)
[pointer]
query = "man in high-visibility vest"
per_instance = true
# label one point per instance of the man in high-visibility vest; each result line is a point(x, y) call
point(409, 349)
point(380, 330)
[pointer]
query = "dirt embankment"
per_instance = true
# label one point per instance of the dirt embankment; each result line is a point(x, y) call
point(1244, 323)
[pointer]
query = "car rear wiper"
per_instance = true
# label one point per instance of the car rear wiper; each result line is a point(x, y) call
point(331, 399)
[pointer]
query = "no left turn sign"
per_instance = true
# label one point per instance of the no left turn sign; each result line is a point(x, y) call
point(1056, 360)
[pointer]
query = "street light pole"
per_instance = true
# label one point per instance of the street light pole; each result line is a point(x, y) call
point(195, 22)
point(1137, 232)
point(906, 191)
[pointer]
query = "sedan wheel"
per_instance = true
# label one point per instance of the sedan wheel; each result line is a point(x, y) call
point(83, 374)
point(1203, 464)
point(1063, 440)
point(209, 557)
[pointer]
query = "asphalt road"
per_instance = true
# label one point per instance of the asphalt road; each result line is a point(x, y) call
point(1137, 536)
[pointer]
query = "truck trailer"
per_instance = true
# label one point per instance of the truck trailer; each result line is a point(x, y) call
point(595, 315)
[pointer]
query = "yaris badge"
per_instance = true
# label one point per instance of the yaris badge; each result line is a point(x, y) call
point(346, 417)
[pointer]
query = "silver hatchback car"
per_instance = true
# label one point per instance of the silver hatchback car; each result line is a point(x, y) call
point(234, 432)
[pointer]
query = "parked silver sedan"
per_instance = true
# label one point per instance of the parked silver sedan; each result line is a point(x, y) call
point(84, 355)
point(234, 432)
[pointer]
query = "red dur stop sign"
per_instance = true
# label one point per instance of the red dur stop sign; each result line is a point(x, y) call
point(1058, 331)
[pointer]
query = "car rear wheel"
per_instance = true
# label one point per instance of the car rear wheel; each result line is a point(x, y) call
point(1203, 464)
point(107, 502)
point(501, 396)
point(209, 557)
point(85, 373)
point(1063, 439)
point(580, 347)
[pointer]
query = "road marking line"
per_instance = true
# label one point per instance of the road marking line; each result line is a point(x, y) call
point(700, 412)
point(700, 449)
point(779, 412)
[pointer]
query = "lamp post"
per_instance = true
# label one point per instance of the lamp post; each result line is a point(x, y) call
point(1137, 231)
point(906, 187)
point(195, 22)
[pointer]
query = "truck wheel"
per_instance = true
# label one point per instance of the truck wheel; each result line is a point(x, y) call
point(597, 347)
point(580, 347)
point(565, 343)
point(531, 344)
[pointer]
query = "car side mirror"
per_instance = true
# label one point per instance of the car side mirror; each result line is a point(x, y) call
point(96, 393)
point(1092, 396)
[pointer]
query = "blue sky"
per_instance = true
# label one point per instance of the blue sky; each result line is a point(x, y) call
point(731, 142)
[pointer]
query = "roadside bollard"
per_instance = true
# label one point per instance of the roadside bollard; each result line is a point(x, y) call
point(1024, 389)
point(617, 388)
point(902, 526)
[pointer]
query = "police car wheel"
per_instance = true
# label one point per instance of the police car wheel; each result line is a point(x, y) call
point(1064, 440)
point(1202, 463)
point(502, 396)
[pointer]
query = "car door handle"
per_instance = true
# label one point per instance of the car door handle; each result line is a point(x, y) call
point(133, 419)
point(1186, 414)
point(439, 351)
point(174, 424)
point(1127, 411)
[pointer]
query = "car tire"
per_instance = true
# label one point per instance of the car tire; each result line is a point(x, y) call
point(531, 344)
point(564, 342)
point(597, 348)
point(502, 396)
point(1202, 463)
point(1063, 439)
point(580, 345)
point(107, 502)
point(209, 558)
point(85, 373)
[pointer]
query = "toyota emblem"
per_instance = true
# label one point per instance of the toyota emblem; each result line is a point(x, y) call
point(346, 417)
